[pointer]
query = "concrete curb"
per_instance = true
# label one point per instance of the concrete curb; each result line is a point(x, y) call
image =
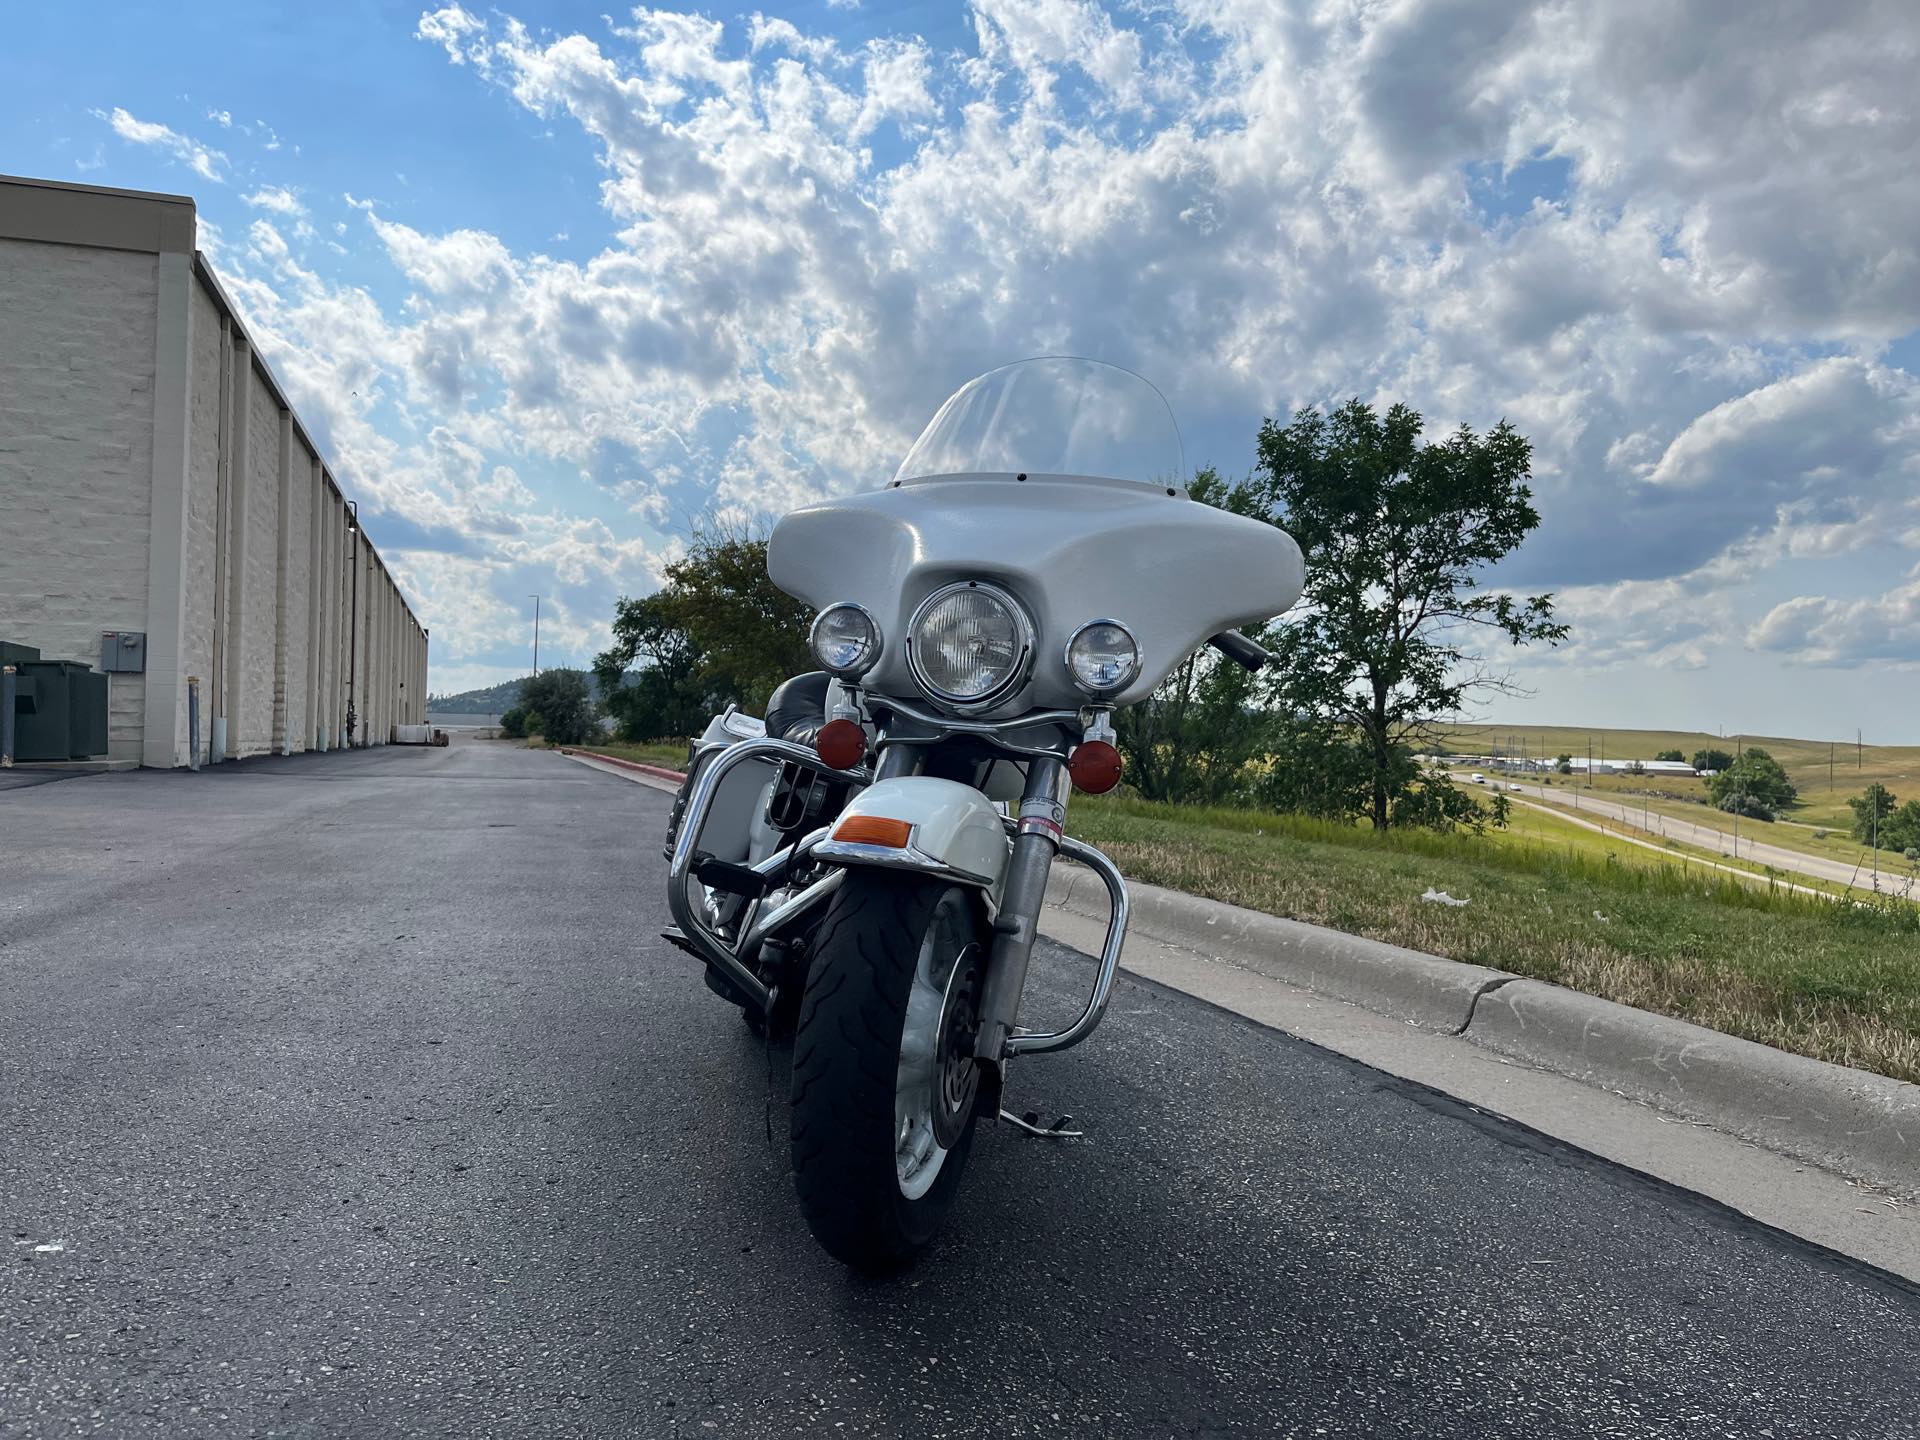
point(659, 772)
point(1425, 990)
point(1862, 1125)
point(1853, 1121)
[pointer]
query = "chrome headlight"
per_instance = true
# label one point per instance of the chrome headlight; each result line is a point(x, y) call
point(969, 644)
point(845, 640)
point(1103, 657)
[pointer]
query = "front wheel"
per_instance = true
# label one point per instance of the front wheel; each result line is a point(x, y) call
point(883, 1072)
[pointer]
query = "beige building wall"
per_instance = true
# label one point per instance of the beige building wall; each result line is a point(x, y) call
point(76, 434)
point(153, 478)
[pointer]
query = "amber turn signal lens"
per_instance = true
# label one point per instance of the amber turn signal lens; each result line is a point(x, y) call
point(841, 744)
point(874, 830)
point(1095, 767)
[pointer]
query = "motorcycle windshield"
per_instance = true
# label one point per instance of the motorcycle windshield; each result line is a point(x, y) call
point(1055, 415)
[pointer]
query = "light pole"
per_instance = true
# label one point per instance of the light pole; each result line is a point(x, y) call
point(536, 633)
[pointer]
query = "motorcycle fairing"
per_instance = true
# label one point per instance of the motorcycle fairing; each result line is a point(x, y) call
point(1072, 549)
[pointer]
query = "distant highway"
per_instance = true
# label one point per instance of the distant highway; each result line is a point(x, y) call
point(1687, 832)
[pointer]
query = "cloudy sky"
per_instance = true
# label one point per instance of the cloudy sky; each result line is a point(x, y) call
point(547, 284)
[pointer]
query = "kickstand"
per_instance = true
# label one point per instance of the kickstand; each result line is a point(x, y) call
point(1030, 1124)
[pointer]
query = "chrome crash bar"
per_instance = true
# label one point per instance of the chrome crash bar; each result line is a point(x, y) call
point(774, 869)
point(735, 964)
point(1030, 1042)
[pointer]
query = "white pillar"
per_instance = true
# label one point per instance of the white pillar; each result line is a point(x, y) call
point(163, 737)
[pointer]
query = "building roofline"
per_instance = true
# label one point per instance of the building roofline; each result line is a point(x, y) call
point(102, 217)
point(203, 269)
point(58, 212)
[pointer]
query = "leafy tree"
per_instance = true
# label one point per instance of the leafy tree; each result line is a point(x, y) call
point(1879, 818)
point(562, 704)
point(1711, 760)
point(719, 630)
point(1871, 811)
point(1755, 774)
point(1636, 767)
point(1901, 830)
point(513, 724)
point(1314, 770)
point(1564, 764)
point(666, 699)
point(1676, 756)
point(1193, 739)
point(1397, 536)
point(1750, 805)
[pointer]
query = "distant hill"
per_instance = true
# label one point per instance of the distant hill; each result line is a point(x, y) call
point(494, 700)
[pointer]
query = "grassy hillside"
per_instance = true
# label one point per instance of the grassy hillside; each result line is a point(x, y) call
point(1837, 981)
point(493, 700)
point(1822, 801)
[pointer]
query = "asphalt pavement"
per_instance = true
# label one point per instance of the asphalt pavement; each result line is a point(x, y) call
point(355, 1095)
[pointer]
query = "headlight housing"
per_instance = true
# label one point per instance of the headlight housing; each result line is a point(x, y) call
point(969, 645)
point(845, 639)
point(1103, 658)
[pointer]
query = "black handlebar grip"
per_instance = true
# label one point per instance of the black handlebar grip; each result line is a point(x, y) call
point(1237, 647)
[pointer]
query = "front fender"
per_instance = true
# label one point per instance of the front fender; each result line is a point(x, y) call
point(953, 831)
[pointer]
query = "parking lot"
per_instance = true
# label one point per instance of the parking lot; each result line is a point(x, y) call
point(356, 1094)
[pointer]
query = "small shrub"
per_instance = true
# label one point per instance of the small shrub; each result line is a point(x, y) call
point(1751, 806)
point(513, 724)
point(1821, 834)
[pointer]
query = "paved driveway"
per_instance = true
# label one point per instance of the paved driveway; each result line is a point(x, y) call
point(353, 1095)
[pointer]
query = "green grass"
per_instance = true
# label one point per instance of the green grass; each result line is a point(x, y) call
point(1558, 830)
point(1840, 982)
point(670, 754)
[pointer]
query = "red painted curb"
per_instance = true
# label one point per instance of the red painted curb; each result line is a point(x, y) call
point(659, 772)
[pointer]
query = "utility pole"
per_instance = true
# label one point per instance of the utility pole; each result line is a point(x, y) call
point(536, 633)
point(1739, 794)
point(1829, 767)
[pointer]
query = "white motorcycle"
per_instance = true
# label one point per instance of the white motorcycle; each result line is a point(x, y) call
point(867, 866)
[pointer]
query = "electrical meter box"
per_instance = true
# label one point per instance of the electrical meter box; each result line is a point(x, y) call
point(123, 652)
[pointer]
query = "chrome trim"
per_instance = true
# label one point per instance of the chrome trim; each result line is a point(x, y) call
point(680, 868)
point(1066, 659)
point(1016, 677)
point(992, 731)
point(789, 910)
point(896, 857)
point(879, 639)
point(1025, 1042)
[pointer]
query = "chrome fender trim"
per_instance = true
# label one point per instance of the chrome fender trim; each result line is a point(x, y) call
point(957, 833)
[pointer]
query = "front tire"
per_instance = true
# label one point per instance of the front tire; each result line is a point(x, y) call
point(883, 1075)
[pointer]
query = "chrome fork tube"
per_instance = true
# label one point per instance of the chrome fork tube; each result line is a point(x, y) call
point(1043, 813)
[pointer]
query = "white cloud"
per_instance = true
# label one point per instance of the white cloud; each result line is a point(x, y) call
point(1259, 205)
point(1823, 630)
point(278, 199)
point(204, 161)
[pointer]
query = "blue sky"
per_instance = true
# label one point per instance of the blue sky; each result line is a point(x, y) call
point(550, 285)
